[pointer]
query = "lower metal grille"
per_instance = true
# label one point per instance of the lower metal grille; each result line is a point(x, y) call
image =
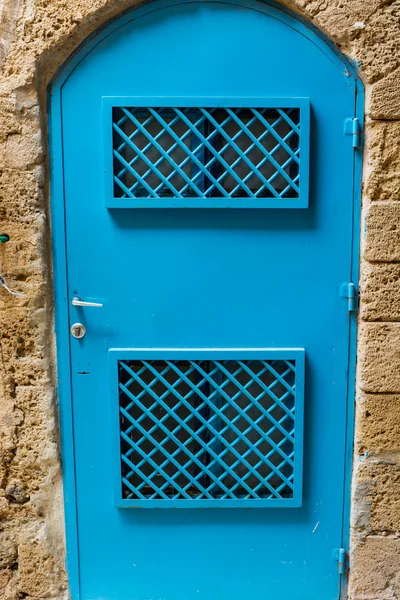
point(208, 429)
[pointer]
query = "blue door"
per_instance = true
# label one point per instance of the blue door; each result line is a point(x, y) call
point(204, 159)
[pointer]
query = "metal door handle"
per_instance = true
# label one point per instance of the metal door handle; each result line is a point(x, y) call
point(78, 302)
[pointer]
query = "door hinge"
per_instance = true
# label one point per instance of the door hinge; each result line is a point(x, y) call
point(353, 127)
point(348, 291)
point(340, 556)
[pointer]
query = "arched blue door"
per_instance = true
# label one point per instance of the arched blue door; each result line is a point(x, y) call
point(204, 160)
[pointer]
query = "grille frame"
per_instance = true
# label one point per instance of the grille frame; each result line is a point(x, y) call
point(117, 355)
point(131, 102)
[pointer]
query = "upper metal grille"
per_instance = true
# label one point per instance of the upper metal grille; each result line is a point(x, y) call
point(188, 153)
point(208, 430)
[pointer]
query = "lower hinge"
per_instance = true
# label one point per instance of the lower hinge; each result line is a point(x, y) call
point(340, 556)
point(353, 127)
point(349, 292)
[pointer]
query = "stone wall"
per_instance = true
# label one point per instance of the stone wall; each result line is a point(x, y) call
point(36, 36)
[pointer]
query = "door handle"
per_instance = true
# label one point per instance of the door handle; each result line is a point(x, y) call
point(78, 302)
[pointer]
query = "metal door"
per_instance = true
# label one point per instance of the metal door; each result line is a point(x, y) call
point(204, 156)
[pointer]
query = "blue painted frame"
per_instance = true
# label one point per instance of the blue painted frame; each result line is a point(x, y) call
point(61, 328)
point(297, 354)
point(109, 102)
point(353, 324)
point(61, 292)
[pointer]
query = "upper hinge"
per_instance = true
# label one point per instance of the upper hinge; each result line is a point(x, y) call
point(340, 556)
point(353, 127)
point(348, 291)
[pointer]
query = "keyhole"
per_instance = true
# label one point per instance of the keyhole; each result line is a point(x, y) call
point(78, 330)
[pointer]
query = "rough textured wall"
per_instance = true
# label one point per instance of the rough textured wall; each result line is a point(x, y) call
point(36, 36)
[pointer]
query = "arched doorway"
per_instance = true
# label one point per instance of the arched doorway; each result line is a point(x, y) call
point(205, 393)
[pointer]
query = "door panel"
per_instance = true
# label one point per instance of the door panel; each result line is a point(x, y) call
point(208, 278)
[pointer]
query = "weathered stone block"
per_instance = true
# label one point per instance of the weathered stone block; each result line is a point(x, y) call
point(20, 195)
point(385, 97)
point(379, 357)
point(382, 242)
point(380, 483)
point(374, 572)
point(10, 123)
point(380, 292)
point(21, 151)
point(38, 574)
point(337, 18)
point(383, 145)
point(378, 423)
point(377, 45)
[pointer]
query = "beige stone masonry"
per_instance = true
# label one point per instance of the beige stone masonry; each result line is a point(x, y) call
point(36, 37)
point(379, 358)
point(377, 574)
point(379, 480)
point(380, 288)
point(378, 425)
point(383, 139)
point(385, 97)
point(382, 232)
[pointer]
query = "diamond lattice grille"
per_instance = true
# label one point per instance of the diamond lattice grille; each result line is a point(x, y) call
point(207, 429)
point(229, 153)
